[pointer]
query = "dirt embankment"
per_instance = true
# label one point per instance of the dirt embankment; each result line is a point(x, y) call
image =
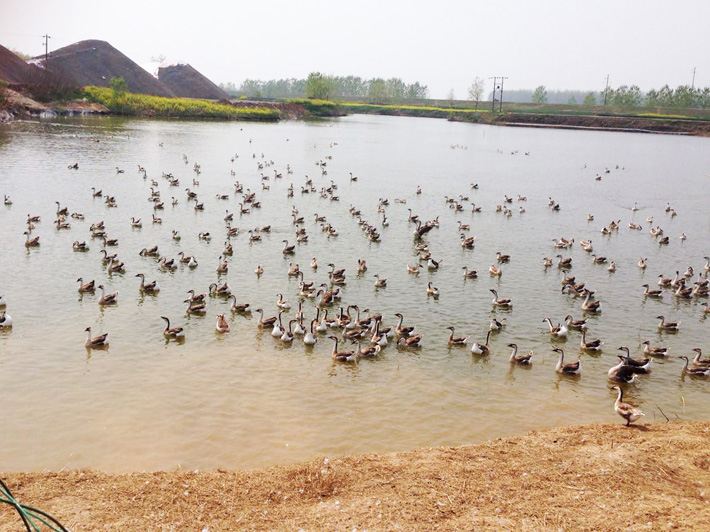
point(588, 478)
point(604, 123)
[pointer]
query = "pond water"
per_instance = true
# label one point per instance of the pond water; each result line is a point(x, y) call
point(245, 399)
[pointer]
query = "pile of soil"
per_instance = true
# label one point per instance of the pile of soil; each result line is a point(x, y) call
point(595, 477)
point(186, 82)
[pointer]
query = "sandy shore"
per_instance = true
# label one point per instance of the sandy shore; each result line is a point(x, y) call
point(593, 477)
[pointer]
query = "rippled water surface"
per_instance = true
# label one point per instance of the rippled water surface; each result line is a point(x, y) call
point(244, 399)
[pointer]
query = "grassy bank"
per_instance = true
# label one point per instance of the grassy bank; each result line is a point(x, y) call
point(599, 478)
point(146, 105)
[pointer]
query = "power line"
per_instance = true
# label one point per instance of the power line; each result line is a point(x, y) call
point(497, 87)
point(46, 49)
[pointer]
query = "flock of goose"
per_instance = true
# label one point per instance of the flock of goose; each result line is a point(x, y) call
point(363, 329)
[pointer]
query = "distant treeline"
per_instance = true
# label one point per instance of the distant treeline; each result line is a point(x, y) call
point(320, 86)
point(683, 96)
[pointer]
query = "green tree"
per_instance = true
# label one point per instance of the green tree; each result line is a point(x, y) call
point(475, 90)
point(540, 94)
point(118, 92)
point(590, 100)
point(571, 101)
point(319, 86)
point(377, 90)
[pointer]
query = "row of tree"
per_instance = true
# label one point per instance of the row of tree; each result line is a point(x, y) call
point(324, 87)
point(684, 96)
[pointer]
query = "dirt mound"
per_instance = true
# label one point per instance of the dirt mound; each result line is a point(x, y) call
point(596, 477)
point(187, 82)
point(13, 69)
point(95, 62)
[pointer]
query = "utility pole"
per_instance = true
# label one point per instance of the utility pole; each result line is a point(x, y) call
point(493, 102)
point(606, 89)
point(692, 85)
point(502, 79)
point(46, 49)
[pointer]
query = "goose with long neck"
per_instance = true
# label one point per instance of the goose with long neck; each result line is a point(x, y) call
point(238, 307)
point(287, 335)
point(667, 325)
point(151, 287)
point(501, 302)
point(310, 337)
point(651, 293)
point(195, 307)
point(172, 332)
point(560, 330)
point(625, 410)
point(640, 366)
point(377, 337)
point(588, 305)
point(694, 371)
point(456, 340)
point(484, 349)
point(85, 287)
point(265, 322)
point(516, 358)
point(571, 368)
point(699, 361)
point(107, 299)
point(648, 349)
point(342, 356)
point(278, 329)
point(323, 324)
point(367, 352)
point(400, 330)
point(96, 341)
point(5, 320)
point(592, 345)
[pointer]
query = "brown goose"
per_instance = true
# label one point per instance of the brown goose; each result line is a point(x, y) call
point(625, 410)
point(515, 358)
point(571, 368)
point(172, 332)
point(96, 341)
point(107, 299)
point(86, 287)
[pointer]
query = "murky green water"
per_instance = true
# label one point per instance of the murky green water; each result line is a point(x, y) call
point(244, 399)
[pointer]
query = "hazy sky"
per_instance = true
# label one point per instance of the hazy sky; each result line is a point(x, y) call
point(562, 44)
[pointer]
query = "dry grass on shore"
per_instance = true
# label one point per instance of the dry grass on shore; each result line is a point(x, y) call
point(595, 477)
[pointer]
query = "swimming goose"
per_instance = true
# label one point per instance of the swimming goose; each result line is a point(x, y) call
point(195, 307)
point(546, 262)
point(238, 307)
point(433, 264)
point(469, 274)
point(612, 267)
point(224, 290)
point(414, 269)
point(136, 223)
point(500, 302)
point(640, 366)
point(575, 324)
point(590, 306)
point(342, 356)
point(107, 299)
point(288, 249)
point(310, 338)
point(571, 368)
point(502, 258)
point(654, 351)
point(496, 325)
point(166, 264)
point(8, 201)
point(413, 341)
point(151, 287)
point(223, 266)
point(172, 332)
point(563, 243)
point(60, 210)
point(88, 287)
point(467, 243)
point(706, 307)
point(152, 252)
point(456, 340)
point(287, 335)
point(625, 410)
point(482, 349)
point(560, 330)
point(380, 283)
point(515, 358)
point(204, 236)
point(667, 325)
point(378, 337)
point(642, 263)
point(694, 371)
point(592, 345)
point(80, 246)
point(495, 271)
point(634, 226)
point(110, 241)
point(96, 341)
point(400, 330)
point(651, 293)
point(432, 290)
point(586, 245)
point(278, 329)
point(157, 220)
point(367, 352)
point(265, 322)
point(30, 243)
point(221, 326)
point(564, 263)
point(361, 266)
point(282, 303)
point(196, 298)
